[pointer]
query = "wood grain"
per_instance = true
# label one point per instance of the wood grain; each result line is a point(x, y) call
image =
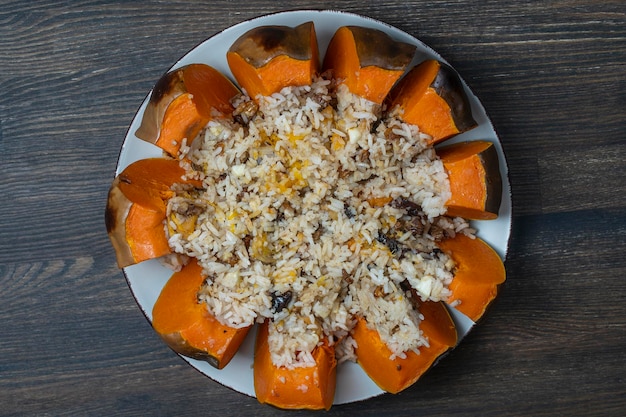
point(549, 73)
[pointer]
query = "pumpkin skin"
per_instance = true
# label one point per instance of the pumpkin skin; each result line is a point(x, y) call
point(268, 58)
point(431, 96)
point(182, 103)
point(475, 181)
point(367, 61)
point(395, 375)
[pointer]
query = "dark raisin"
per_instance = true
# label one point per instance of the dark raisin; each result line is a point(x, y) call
point(412, 209)
point(393, 245)
point(280, 301)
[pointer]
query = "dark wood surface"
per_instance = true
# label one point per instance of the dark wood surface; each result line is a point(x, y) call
point(552, 76)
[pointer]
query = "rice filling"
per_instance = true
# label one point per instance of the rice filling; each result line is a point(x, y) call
point(316, 210)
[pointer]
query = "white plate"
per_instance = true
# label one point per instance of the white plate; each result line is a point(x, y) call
point(147, 278)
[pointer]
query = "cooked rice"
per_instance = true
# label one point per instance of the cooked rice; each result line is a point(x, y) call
point(315, 211)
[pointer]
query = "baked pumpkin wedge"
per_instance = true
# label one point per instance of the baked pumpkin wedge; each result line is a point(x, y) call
point(298, 388)
point(479, 272)
point(431, 96)
point(136, 209)
point(266, 59)
point(187, 326)
point(475, 181)
point(183, 101)
point(397, 374)
point(367, 61)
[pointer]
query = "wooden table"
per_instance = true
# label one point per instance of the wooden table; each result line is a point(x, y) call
point(552, 76)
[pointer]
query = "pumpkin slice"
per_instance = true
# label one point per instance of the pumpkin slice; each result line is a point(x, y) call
point(266, 59)
point(479, 272)
point(475, 182)
point(136, 209)
point(187, 326)
point(182, 103)
point(397, 374)
point(367, 61)
point(298, 388)
point(431, 96)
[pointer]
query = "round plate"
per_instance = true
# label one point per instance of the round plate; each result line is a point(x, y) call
point(147, 278)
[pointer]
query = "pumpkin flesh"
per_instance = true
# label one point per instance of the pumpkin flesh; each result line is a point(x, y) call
point(395, 375)
point(431, 96)
point(266, 59)
point(367, 61)
point(182, 103)
point(475, 182)
point(298, 388)
point(479, 272)
point(136, 209)
point(187, 326)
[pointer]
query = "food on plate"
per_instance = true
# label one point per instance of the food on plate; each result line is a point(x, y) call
point(475, 182)
point(393, 373)
point(431, 96)
point(367, 61)
point(310, 387)
point(478, 273)
point(182, 103)
point(306, 207)
point(136, 208)
point(267, 58)
point(186, 325)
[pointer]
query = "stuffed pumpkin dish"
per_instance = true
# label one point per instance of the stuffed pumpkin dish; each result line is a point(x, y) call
point(315, 204)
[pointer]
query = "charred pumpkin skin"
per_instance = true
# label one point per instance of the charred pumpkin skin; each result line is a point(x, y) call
point(182, 102)
point(479, 273)
point(299, 388)
point(268, 58)
point(475, 181)
point(167, 88)
point(395, 375)
point(367, 61)
point(431, 96)
point(136, 209)
point(187, 326)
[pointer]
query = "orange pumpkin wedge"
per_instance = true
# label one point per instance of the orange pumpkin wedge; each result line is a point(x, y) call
point(136, 209)
point(182, 103)
point(367, 61)
point(475, 182)
point(266, 59)
point(298, 388)
point(479, 272)
point(187, 326)
point(431, 96)
point(397, 374)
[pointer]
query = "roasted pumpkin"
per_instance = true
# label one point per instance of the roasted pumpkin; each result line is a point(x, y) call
point(268, 58)
point(479, 272)
point(298, 388)
point(136, 209)
point(182, 103)
point(431, 96)
point(475, 182)
point(186, 325)
point(395, 375)
point(367, 61)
